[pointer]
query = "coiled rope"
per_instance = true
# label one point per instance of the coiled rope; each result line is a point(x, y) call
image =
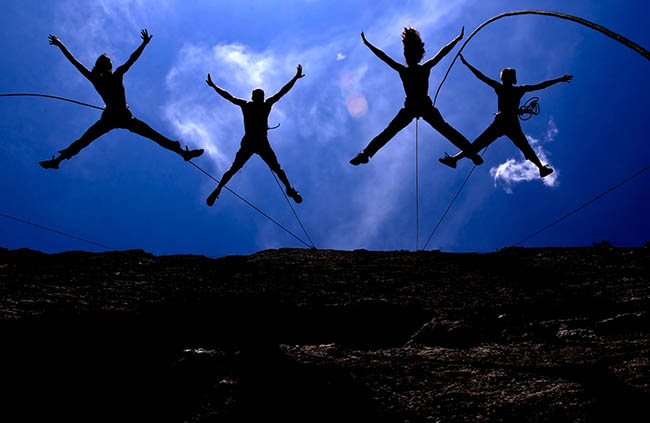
point(628, 43)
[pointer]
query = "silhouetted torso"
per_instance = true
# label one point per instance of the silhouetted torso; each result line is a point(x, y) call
point(509, 97)
point(415, 80)
point(111, 88)
point(256, 118)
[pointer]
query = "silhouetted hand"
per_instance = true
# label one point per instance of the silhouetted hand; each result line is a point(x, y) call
point(144, 34)
point(566, 78)
point(363, 37)
point(209, 81)
point(299, 73)
point(54, 40)
point(462, 32)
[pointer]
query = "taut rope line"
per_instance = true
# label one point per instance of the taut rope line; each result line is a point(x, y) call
point(628, 43)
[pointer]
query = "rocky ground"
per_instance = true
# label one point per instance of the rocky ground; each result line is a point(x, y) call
point(521, 335)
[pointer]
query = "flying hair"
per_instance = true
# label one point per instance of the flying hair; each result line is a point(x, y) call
point(413, 45)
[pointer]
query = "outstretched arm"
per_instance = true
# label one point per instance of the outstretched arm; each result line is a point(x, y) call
point(546, 84)
point(383, 56)
point(225, 94)
point(56, 42)
point(287, 87)
point(144, 34)
point(491, 82)
point(444, 51)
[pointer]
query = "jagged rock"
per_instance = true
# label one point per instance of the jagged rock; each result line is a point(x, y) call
point(546, 335)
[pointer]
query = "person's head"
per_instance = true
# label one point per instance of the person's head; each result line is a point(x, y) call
point(258, 95)
point(509, 76)
point(413, 46)
point(103, 65)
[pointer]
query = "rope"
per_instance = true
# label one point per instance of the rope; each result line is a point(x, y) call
point(629, 43)
point(17, 219)
point(451, 203)
point(51, 96)
point(417, 190)
point(593, 200)
point(292, 209)
point(250, 204)
point(529, 109)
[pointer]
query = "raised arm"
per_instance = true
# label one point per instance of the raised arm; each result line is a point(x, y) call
point(383, 56)
point(81, 68)
point(136, 54)
point(546, 84)
point(287, 87)
point(444, 51)
point(225, 94)
point(491, 82)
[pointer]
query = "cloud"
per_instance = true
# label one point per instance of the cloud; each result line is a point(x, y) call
point(326, 119)
point(513, 171)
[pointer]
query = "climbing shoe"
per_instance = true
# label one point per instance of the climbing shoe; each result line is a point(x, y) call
point(50, 164)
point(294, 194)
point(545, 171)
point(448, 161)
point(190, 154)
point(359, 158)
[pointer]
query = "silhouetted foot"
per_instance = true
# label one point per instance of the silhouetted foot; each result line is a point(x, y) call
point(359, 158)
point(448, 161)
point(50, 164)
point(213, 196)
point(294, 194)
point(190, 154)
point(545, 171)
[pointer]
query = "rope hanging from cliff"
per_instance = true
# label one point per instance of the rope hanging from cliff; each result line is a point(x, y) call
point(253, 206)
point(56, 231)
point(417, 190)
point(292, 209)
point(192, 163)
point(582, 206)
point(628, 43)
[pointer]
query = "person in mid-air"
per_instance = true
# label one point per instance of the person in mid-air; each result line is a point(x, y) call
point(506, 121)
point(255, 140)
point(415, 79)
point(110, 87)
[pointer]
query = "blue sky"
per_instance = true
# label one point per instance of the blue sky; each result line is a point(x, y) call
point(126, 192)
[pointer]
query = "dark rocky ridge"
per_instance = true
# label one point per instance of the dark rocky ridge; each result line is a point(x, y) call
point(521, 335)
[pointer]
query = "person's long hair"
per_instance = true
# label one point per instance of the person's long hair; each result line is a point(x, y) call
point(413, 45)
point(103, 65)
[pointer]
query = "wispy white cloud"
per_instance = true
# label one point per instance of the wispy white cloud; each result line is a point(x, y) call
point(327, 118)
point(513, 171)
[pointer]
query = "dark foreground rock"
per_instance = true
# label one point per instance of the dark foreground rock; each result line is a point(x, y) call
point(520, 335)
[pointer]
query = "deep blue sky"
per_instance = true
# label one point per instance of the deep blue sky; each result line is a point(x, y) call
point(126, 192)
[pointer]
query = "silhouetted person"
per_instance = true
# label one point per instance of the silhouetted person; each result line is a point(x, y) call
point(110, 87)
point(255, 140)
point(415, 78)
point(506, 121)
